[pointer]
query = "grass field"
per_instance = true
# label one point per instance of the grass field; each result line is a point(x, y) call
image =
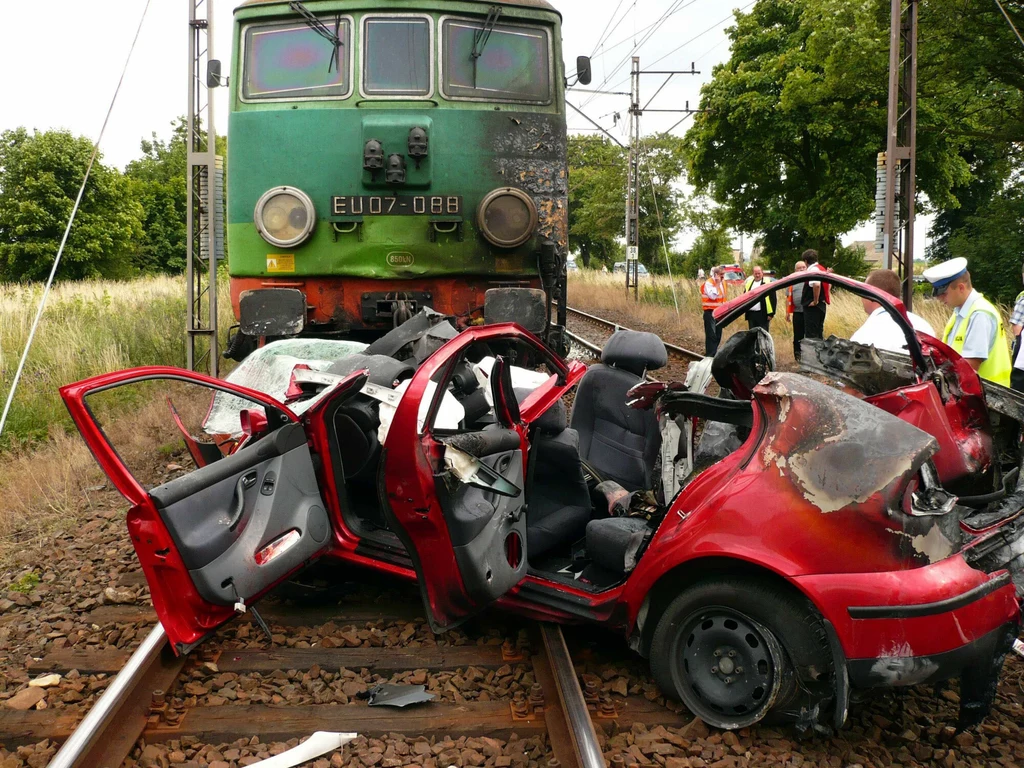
point(598, 292)
point(88, 328)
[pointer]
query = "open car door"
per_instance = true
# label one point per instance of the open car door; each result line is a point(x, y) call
point(454, 477)
point(213, 531)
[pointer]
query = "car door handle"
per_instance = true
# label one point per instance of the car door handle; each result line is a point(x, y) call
point(245, 482)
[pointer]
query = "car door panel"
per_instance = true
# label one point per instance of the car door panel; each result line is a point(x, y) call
point(463, 527)
point(226, 533)
point(222, 517)
point(480, 523)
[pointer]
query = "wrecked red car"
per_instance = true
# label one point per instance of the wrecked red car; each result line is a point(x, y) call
point(768, 548)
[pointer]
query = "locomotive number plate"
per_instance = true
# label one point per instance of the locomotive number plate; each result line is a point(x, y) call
point(396, 205)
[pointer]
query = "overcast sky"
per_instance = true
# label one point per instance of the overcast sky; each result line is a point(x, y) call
point(63, 58)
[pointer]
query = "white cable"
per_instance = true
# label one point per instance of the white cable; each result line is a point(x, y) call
point(1010, 22)
point(664, 245)
point(67, 231)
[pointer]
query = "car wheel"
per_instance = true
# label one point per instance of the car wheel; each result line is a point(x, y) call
point(725, 647)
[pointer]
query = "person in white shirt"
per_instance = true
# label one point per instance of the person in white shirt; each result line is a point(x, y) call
point(880, 330)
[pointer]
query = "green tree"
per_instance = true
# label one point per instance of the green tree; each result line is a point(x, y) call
point(158, 180)
point(713, 244)
point(597, 188)
point(992, 241)
point(40, 175)
point(597, 197)
point(794, 120)
point(709, 249)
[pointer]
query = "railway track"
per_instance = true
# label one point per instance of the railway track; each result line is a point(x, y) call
point(146, 701)
point(607, 327)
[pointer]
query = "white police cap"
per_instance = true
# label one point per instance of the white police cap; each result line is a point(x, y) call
point(941, 275)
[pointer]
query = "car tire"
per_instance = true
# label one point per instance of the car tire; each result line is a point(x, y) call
point(734, 650)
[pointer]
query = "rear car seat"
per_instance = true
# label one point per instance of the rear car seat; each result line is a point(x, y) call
point(619, 442)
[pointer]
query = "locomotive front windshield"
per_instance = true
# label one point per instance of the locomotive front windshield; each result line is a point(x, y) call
point(396, 53)
point(511, 64)
point(290, 60)
point(396, 56)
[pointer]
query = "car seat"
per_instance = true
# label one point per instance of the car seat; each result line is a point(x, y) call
point(743, 360)
point(557, 495)
point(620, 443)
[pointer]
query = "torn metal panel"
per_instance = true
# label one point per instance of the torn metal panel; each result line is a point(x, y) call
point(1003, 400)
point(817, 435)
point(861, 367)
point(388, 695)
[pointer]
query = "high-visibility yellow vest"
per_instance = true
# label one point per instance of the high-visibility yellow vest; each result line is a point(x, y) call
point(997, 365)
point(767, 296)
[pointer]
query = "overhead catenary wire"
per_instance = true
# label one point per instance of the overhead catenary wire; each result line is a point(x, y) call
point(676, 6)
point(1010, 22)
point(607, 29)
point(679, 47)
point(67, 230)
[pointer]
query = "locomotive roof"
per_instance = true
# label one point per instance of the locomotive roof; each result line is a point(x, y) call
point(543, 5)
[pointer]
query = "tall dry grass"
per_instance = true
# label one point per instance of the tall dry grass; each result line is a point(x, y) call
point(601, 292)
point(88, 328)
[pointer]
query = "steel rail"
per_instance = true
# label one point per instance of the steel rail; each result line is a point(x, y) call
point(570, 729)
point(672, 348)
point(116, 721)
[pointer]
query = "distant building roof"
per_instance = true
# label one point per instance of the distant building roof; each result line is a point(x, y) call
point(871, 255)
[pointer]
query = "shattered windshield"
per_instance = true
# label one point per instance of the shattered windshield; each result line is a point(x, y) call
point(293, 60)
point(512, 66)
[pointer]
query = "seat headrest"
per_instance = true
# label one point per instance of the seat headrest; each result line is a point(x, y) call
point(743, 360)
point(553, 421)
point(634, 351)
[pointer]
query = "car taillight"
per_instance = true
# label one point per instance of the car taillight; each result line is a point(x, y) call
point(278, 547)
point(253, 422)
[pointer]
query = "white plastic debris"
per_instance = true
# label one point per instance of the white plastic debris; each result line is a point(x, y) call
point(523, 379)
point(449, 415)
point(1018, 648)
point(317, 744)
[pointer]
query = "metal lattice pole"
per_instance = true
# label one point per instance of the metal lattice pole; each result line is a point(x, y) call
point(201, 256)
point(901, 147)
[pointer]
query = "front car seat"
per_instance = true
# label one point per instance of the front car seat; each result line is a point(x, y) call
point(557, 495)
point(620, 443)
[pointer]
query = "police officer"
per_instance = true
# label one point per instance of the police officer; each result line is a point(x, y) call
point(975, 329)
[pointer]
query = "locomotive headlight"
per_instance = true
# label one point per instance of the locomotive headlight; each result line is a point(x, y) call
point(507, 217)
point(285, 216)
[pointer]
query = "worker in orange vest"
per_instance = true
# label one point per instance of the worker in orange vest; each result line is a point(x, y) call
point(712, 295)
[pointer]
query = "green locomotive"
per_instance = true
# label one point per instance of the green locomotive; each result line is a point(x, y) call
point(387, 155)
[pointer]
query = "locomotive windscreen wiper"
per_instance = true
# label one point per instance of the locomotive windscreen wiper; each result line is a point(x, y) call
point(334, 38)
point(482, 35)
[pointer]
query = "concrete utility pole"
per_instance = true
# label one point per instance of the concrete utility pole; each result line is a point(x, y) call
point(900, 159)
point(633, 185)
point(203, 194)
